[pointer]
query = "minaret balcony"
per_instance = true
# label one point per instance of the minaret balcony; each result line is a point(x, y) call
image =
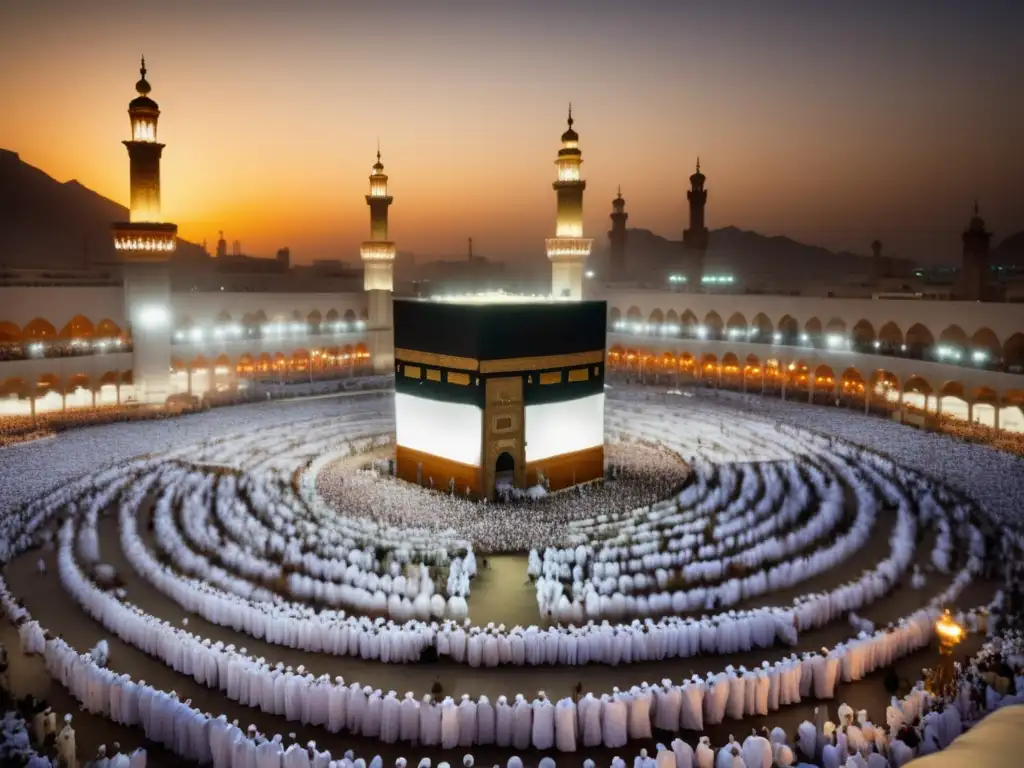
point(145, 241)
point(568, 248)
point(377, 250)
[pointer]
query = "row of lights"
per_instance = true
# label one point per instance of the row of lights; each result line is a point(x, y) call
point(834, 341)
point(271, 330)
point(39, 347)
point(706, 279)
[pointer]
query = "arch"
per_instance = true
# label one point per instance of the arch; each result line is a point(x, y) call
point(297, 316)
point(890, 335)
point(708, 362)
point(223, 317)
point(688, 322)
point(504, 469)
point(633, 315)
point(954, 335)
point(361, 351)
point(350, 316)
point(48, 382)
point(178, 364)
point(245, 364)
point(222, 361)
point(713, 325)
point(668, 361)
point(862, 335)
point(265, 361)
point(614, 316)
point(331, 316)
point(761, 327)
point(111, 378)
point(824, 372)
point(730, 363)
point(984, 395)
point(985, 340)
point(1014, 397)
point(108, 329)
point(836, 325)
point(38, 330)
point(14, 385)
point(917, 384)
point(127, 377)
point(76, 382)
point(918, 339)
point(657, 317)
point(686, 361)
point(9, 332)
point(953, 389)
point(884, 379)
point(260, 317)
point(314, 317)
point(813, 328)
point(736, 326)
point(1013, 351)
point(852, 382)
point(672, 318)
point(198, 363)
point(78, 327)
point(787, 330)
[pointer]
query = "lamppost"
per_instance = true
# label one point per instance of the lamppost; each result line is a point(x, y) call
point(941, 680)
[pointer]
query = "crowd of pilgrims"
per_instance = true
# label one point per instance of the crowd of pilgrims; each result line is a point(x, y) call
point(639, 474)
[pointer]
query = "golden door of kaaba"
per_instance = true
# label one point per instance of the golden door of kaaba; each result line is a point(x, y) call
point(503, 431)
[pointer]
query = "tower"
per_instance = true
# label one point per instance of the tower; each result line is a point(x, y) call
point(568, 249)
point(877, 266)
point(695, 238)
point(617, 240)
point(144, 245)
point(974, 271)
point(378, 255)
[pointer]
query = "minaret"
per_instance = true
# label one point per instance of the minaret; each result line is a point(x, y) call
point(877, 267)
point(617, 240)
point(378, 255)
point(974, 272)
point(144, 245)
point(568, 249)
point(695, 238)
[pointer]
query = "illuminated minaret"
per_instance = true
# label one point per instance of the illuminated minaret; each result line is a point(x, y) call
point(695, 237)
point(974, 270)
point(568, 249)
point(144, 244)
point(617, 240)
point(378, 254)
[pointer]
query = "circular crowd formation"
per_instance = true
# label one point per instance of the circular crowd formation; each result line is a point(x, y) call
point(725, 533)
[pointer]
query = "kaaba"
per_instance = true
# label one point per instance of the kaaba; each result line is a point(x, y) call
point(493, 393)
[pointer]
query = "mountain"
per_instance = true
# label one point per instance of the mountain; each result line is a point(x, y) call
point(750, 258)
point(47, 224)
point(1009, 252)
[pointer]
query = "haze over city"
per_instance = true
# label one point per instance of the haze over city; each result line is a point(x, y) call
point(830, 124)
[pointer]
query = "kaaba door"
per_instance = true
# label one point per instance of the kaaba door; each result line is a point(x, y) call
point(503, 429)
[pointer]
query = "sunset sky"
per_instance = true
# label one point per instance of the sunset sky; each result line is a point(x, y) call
point(830, 122)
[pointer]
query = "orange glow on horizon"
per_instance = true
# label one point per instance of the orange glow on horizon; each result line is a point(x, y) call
point(271, 122)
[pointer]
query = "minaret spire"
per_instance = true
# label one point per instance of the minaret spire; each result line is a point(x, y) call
point(568, 249)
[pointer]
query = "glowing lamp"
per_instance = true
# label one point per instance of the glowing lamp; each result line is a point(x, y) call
point(950, 633)
point(153, 318)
